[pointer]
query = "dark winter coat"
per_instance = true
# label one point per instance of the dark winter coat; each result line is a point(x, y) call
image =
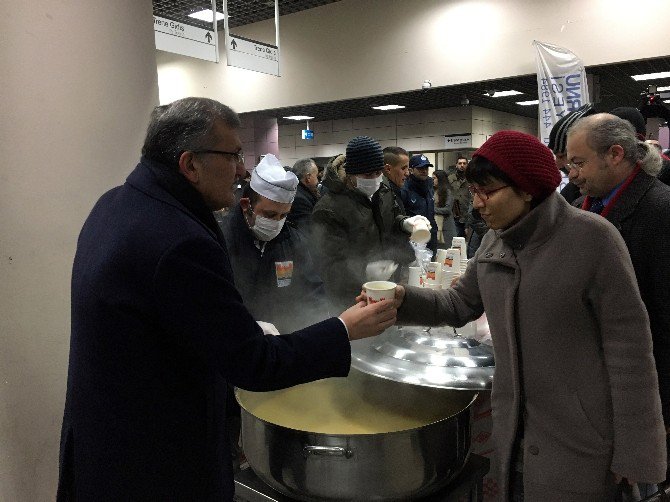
point(351, 231)
point(396, 192)
point(642, 215)
point(261, 276)
point(301, 210)
point(573, 352)
point(158, 330)
point(418, 199)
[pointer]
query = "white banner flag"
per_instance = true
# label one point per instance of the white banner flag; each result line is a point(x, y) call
point(561, 85)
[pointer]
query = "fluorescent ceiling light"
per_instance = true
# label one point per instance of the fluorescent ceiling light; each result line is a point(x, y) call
point(666, 100)
point(388, 107)
point(299, 117)
point(661, 89)
point(528, 103)
point(502, 94)
point(650, 76)
point(206, 15)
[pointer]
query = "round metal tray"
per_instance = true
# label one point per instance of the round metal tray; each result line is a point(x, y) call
point(431, 357)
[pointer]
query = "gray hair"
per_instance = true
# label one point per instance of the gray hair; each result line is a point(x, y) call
point(303, 167)
point(184, 125)
point(604, 130)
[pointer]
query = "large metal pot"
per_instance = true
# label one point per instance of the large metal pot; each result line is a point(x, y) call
point(384, 466)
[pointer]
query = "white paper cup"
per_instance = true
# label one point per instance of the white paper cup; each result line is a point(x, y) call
point(459, 242)
point(420, 232)
point(379, 290)
point(453, 258)
point(415, 277)
point(435, 286)
point(433, 272)
point(445, 280)
point(441, 256)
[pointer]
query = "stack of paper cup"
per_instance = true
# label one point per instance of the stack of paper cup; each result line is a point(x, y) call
point(452, 266)
point(415, 278)
point(433, 273)
point(459, 242)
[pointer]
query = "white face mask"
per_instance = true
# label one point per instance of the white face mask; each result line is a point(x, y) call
point(265, 229)
point(368, 185)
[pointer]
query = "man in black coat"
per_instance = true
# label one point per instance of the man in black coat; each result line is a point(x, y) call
point(396, 170)
point(159, 330)
point(607, 165)
point(418, 195)
point(306, 195)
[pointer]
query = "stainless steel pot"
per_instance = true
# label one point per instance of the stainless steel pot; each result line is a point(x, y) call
point(386, 466)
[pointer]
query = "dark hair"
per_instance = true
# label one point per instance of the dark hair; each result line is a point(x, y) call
point(481, 170)
point(442, 183)
point(184, 125)
point(391, 154)
point(461, 157)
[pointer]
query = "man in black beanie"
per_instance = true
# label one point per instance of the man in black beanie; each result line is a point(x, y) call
point(358, 222)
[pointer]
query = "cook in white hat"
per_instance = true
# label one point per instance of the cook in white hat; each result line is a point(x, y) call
point(268, 200)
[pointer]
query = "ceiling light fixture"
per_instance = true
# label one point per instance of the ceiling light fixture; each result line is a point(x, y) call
point(388, 107)
point(299, 117)
point(528, 103)
point(651, 76)
point(501, 94)
point(206, 15)
point(661, 89)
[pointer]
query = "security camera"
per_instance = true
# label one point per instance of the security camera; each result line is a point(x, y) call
point(490, 92)
point(465, 101)
point(426, 85)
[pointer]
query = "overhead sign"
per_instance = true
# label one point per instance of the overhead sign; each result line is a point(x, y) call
point(456, 141)
point(252, 55)
point(186, 40)
point(307, 134)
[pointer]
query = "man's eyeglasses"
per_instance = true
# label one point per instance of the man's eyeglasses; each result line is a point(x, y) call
point(577, 165)
point(483, 194)
point(239, 156)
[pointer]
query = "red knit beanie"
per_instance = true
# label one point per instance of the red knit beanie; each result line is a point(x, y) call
point(524, 159)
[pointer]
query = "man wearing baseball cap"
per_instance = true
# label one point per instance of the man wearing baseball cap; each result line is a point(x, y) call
point(418, 195)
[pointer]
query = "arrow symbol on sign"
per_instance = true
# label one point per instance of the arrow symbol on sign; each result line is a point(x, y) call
point(208, 37)
point(233, 44)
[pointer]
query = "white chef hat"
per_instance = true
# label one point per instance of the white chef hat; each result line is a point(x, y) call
point(271, 180)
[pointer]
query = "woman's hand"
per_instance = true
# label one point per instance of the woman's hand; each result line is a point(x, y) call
point(399, 296)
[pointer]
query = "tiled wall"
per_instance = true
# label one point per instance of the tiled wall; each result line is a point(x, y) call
point(414, 131)
point(259, 136)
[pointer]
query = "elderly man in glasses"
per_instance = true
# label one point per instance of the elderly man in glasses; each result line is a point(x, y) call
point(159, 329)
point(612, 167)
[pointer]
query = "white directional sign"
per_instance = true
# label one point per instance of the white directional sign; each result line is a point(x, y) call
point(184, 39)
point(252, 55)
point(456, 141)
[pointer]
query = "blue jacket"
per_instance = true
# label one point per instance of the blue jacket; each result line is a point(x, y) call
point(417, 197)
point(158, 330)
point(288, 302)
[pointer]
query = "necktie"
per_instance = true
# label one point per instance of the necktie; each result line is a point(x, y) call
point(596, 206)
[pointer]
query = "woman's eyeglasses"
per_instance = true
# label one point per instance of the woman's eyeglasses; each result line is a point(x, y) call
point(483, 194)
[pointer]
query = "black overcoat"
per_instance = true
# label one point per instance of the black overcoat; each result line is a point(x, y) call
point(158, 329)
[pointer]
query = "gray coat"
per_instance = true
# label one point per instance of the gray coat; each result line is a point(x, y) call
point(572, 349)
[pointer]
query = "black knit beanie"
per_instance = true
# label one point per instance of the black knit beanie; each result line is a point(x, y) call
point(558, 137)
point(364, 155)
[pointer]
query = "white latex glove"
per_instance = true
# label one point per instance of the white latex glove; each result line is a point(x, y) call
point(408, 224)
point(268, 328)
point(381, 270)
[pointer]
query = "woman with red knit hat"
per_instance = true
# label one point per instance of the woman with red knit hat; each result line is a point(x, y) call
point(575, 399)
